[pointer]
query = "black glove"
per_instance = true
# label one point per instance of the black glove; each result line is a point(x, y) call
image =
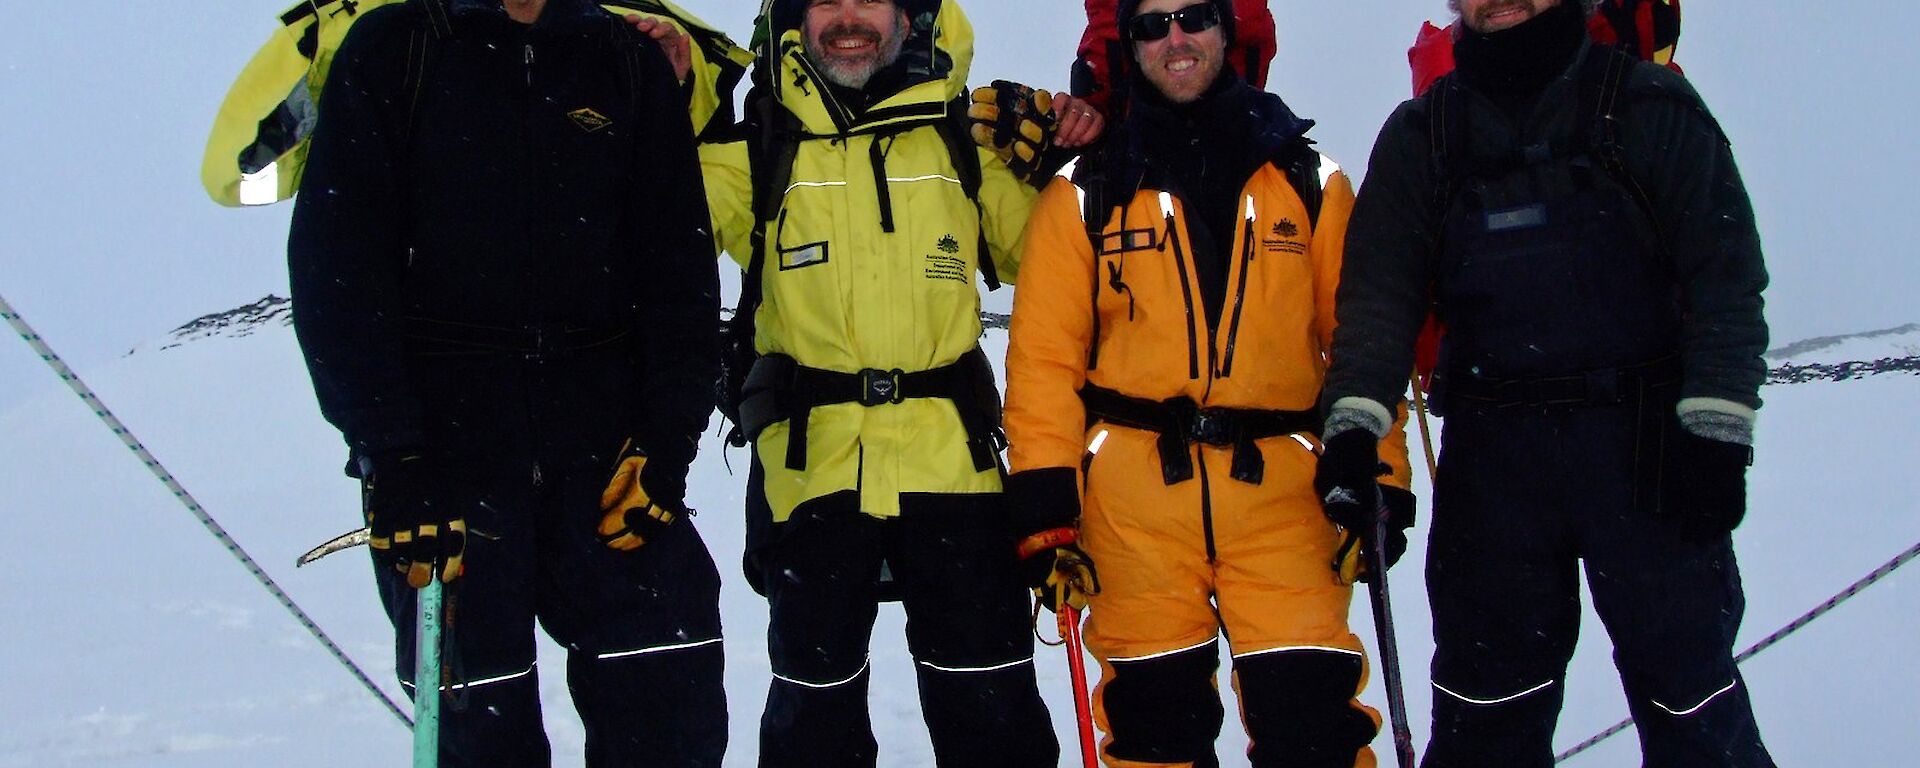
point(1705, 484)
point(630, 516)
point(1044, 506)
point(1057, 569)
point(1015, 122)
point(416, 521)
point(1352, 497)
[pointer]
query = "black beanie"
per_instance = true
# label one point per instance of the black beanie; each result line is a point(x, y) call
point(1128, 7)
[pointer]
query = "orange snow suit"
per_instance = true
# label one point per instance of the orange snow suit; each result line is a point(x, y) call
point(1184, 556)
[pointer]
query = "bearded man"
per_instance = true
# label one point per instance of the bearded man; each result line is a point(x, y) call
point(1575, 217)
point(872, 411)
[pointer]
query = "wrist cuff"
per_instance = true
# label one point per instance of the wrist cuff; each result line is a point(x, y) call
point(1717, 419)
point(1357, 413)
point(1046, 540)
point(1043, 499)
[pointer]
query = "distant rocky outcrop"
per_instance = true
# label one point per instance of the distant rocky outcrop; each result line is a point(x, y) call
point(1905, 338)
point(1826, 358)
point(237, 322)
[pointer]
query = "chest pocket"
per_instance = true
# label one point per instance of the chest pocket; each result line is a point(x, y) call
point(1553, 268)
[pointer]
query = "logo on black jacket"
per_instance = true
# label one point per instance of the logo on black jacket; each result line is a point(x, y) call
point(589, 120)
point(948, 245)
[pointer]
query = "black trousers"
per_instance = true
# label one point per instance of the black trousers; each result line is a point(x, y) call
point(952, 563)
point(642, 628)
point(1522, 497)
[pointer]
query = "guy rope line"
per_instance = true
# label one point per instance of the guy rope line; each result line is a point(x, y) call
point(1793, 626)
point(120, 430)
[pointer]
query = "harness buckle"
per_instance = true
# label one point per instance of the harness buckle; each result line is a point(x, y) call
point(879, 387)
point(1210, 426)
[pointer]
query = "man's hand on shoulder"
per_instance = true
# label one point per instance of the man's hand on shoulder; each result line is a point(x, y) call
point(1033, 131)
point(1080, 123)
point(678, 46)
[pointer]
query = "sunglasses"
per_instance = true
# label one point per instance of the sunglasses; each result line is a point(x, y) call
point(1193, 19)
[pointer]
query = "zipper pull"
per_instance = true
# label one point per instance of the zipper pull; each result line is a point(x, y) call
point(529, 58)
point(1251, 216)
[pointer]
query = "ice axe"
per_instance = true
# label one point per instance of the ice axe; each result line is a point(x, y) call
point(348, 540)
point(1389, 647)
point(1069, 618)
point(429, 621)
point(359, 537)
point(426, 676)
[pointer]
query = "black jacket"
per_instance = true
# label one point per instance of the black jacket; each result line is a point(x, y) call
point(543, 178)
point(1671, 147)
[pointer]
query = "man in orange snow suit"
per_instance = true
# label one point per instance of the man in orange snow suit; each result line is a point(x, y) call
point(1168, 342)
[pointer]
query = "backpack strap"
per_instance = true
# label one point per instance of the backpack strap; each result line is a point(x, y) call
point(437, 19)
point(421, 41)
point(1603, 83)
point(626, 44)
point(1101, 178)
point(771, 149)
point(1090, 182)
point(966, 164)
point(1446, 135)
point(1301, 163)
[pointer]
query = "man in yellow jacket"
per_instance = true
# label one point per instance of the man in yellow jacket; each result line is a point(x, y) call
point(1162, 380)
point(861, 221)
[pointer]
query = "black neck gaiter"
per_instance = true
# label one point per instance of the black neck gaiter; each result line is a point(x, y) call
point(1513, 66)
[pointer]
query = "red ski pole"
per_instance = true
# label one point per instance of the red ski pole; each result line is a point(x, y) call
point(1077, 668)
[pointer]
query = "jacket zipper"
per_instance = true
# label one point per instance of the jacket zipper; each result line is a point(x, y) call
point(1206, 504)
point(527, 206)
point(1240, 293)
point(1186, 290)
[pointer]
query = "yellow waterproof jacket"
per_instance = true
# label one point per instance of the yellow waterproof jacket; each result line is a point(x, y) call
point(870, 263)
point(1269, 350)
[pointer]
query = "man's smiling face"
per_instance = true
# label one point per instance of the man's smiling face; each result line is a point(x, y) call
point(1183, 64)
point(849, 40)
point(1485, 16)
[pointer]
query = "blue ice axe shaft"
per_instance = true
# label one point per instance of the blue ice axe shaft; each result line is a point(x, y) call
point(426, 676)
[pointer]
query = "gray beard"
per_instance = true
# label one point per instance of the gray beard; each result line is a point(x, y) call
point(854, 75)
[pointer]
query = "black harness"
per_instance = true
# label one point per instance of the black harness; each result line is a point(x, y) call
point(1181, 423)
point(780, 389)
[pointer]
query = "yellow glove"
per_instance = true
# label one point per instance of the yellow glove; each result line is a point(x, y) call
point(628, 515)
point(415, 517)
point(1013, 121)
point(1057, 569)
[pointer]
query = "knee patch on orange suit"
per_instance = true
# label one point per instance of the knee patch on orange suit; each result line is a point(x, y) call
point(1299, 708)
point(1162, 709)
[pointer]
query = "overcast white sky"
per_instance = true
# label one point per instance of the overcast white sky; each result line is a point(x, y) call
point(106, 239)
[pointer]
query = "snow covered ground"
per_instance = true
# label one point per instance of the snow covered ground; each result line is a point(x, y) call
point(133, 639)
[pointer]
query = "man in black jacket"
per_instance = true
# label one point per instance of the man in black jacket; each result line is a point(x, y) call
point(1576, 220)
point(509, 309)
